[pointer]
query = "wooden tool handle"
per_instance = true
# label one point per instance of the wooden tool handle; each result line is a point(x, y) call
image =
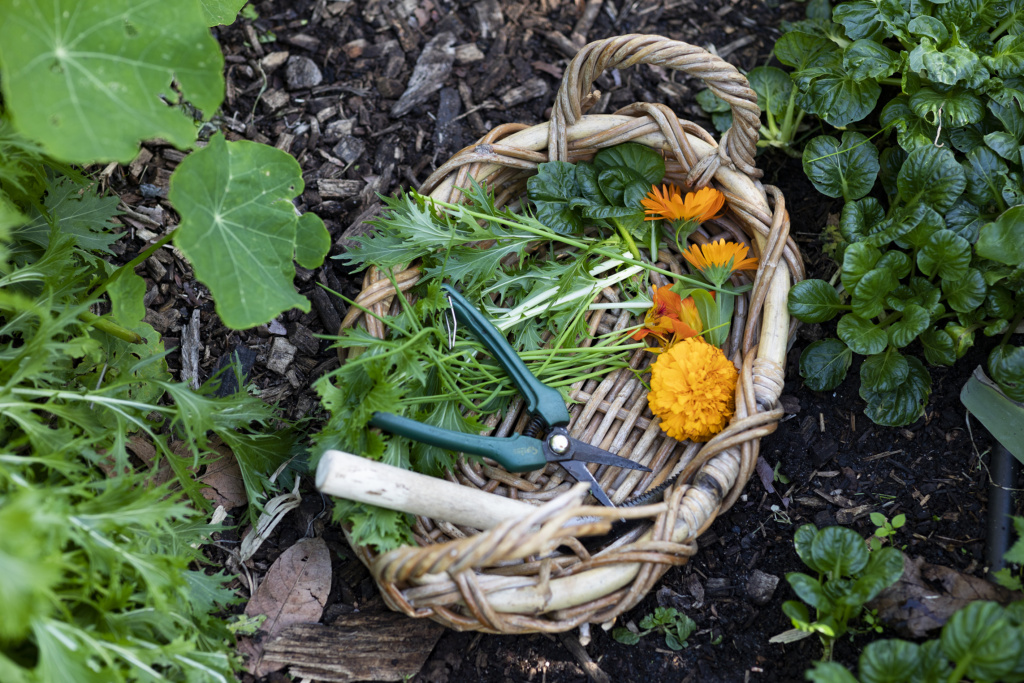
point(368, 481)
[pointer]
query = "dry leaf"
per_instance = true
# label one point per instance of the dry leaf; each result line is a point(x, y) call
point(223, 479)
point(927, 595)
point(294, 591)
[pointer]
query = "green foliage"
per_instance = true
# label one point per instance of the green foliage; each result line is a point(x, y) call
point(982, 642)
point(240, 230)
point(885, 529)
point(944, 261)
point(676, 626)
point(848, 577)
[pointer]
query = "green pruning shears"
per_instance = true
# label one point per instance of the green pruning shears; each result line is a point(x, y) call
point(520, 452)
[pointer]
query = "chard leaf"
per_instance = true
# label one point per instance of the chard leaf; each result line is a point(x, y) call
point(967, 293)
point(641, 159)
point(858, 260)
point(823, 364)
point(869, 294)
point(982, 169)
point(1006, 366)
point(861, 335)
point(813, 301)
point(773, 87)
point(859, 219)
point(884, 371)
point(839, 552)
point(980, 635)
point(551, 190)
point(1003, 240)
point(860, 19)
point(938, 347)
point(867, 59)
point(931, 175)
point(239, 228)
point(945, 253)
point(965, 219)
point(74, 72)
point(959, 107)
point(844, 169)
point(904, 404)
point(220, 12)
point(915, 320)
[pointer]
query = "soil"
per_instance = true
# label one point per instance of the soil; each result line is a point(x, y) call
point(829, 456)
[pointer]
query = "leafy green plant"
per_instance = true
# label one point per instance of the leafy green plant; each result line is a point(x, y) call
point(943, 260)
point(884, 529)
point(676, 626)
point(1006, 577)
point(848, 577)
point(983, 642)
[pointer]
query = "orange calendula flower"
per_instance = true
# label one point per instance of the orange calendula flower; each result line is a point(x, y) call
point(693, 389)
point(719, 259)
point(668, 204)
point(670, 317)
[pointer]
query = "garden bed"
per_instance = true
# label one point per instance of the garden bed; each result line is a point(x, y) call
point(333, 110)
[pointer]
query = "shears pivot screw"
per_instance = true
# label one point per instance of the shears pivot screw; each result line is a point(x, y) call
point(559, 443)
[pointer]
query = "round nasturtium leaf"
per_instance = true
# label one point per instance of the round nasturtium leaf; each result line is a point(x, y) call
point(240, 231)
point(90, 80)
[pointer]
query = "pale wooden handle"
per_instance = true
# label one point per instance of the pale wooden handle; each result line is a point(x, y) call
point(368, 481)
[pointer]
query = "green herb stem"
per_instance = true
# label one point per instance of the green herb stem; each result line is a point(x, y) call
point(130, 266)
point(110, 327)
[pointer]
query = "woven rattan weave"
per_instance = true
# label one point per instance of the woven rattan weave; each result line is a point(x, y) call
point(533, 574)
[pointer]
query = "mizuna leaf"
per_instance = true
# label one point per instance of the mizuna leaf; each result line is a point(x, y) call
point(240, 230)
point(89, 80)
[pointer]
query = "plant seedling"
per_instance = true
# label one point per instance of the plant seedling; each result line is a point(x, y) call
point(884, 529)
point(676, 626)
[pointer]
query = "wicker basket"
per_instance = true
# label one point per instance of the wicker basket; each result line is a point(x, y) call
point(533, 574)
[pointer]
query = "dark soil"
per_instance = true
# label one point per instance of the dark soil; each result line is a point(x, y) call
point(341, 129)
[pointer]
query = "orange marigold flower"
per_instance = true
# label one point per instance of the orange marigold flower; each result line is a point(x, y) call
point(668, 204)
point(693, 389)
point(719, 259)
point(670, 316)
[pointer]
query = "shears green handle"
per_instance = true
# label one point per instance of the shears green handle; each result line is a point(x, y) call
point(516, 453)
point(541, 400)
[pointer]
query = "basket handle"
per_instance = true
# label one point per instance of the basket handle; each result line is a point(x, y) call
point(739, 142)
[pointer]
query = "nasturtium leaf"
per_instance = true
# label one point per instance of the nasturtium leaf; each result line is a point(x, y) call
point(945, 253)
point(912, 131)
point(958, 106)
point(858, 219)
point(868, 59)
point(239, 228)
point(931, 175)
point(814, 301)
point(862, 336)
point(126, 299)
point(773, 87)
point(938, 347)
point(844, 169)
point(980, 635)
point(220, 12)
point(810, 591)
point(638, 158)
point(904, 404)
point(915, 320)
point(982, 169)
point(860, 19)
point(884, 371)
point(965, 219)
point(839, 551)
point(823, 364)
point(312, 241)
point(551, 190)
point(90, 80)
point(868, 298)
point(1006, 366)
point(858, 259)
point(896, 261)
point(889, 661)
point(711, 103)
point(966, 293)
